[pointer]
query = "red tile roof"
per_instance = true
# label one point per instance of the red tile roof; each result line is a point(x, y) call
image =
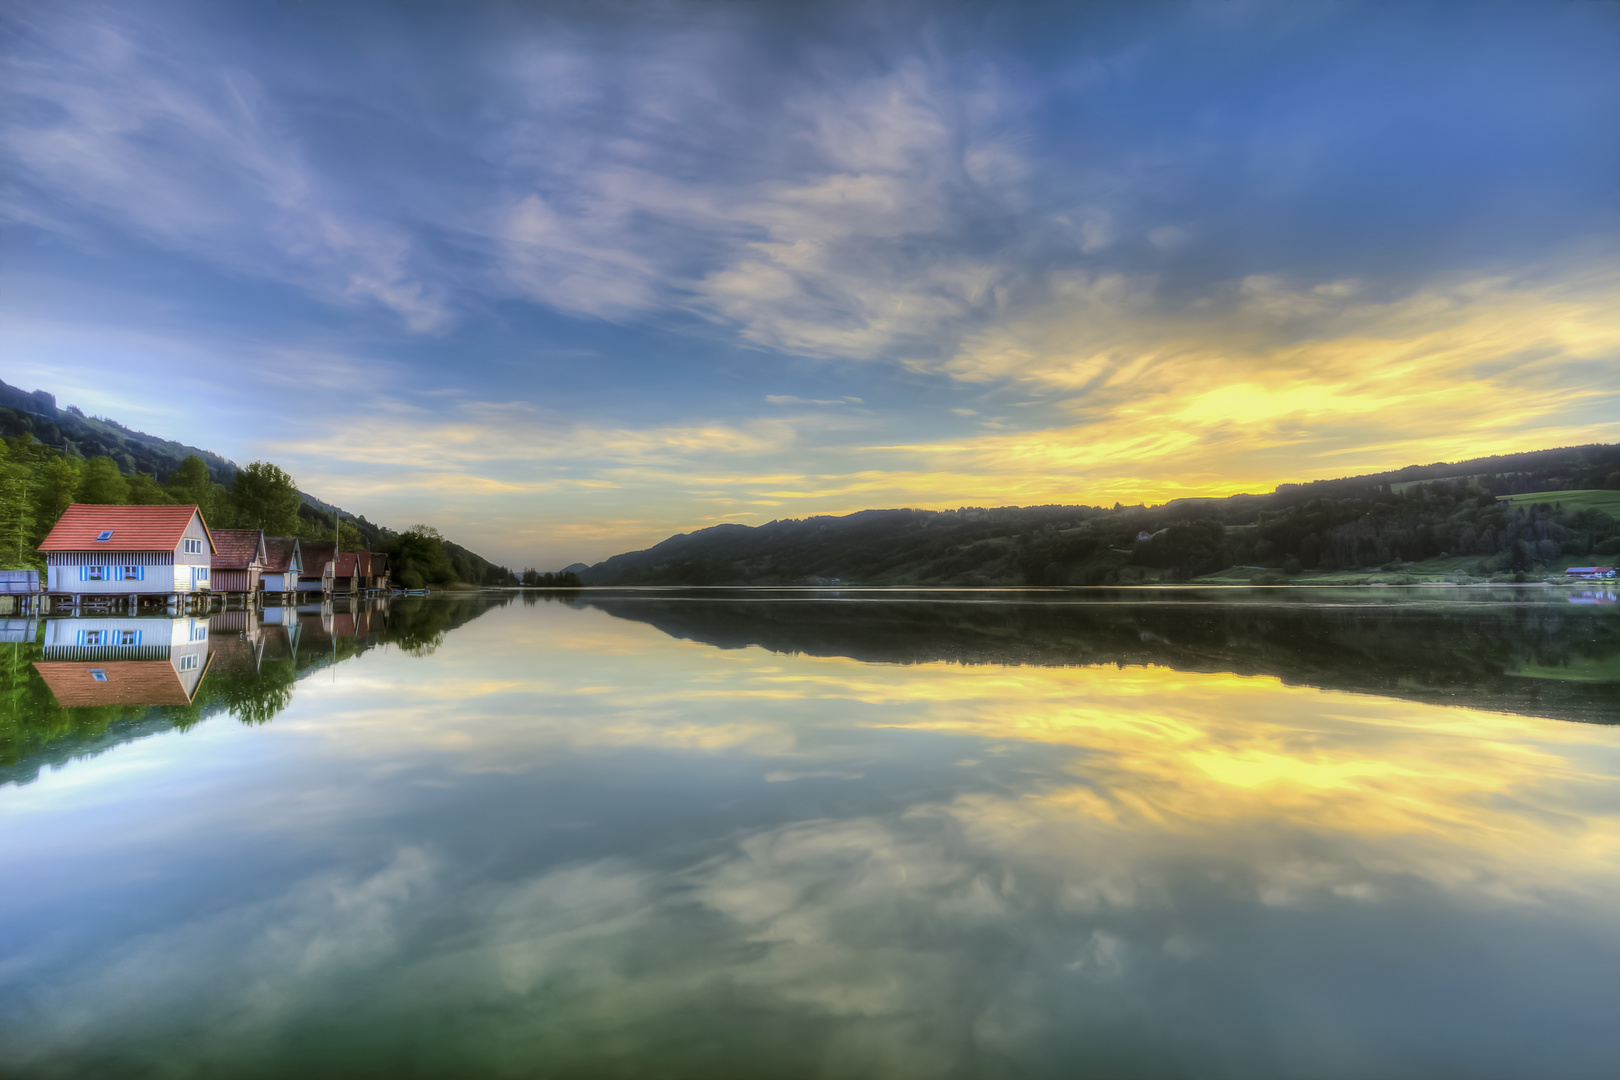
point(344, 564)
point(128, 682)
point(134, 528)
point(234, 549)
point(317, 554)
point(278, 553)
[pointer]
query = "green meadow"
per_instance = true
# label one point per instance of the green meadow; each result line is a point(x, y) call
point(1602, 499)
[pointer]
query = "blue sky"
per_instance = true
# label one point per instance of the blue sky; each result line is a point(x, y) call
point(565, 279)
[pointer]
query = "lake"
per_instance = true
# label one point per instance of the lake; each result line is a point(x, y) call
point(1117, 833)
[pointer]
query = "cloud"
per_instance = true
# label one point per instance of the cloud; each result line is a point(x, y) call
point(838, 225)
point(789, 399)
point(150, 133)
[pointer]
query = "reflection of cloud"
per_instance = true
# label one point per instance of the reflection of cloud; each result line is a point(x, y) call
point(249, 969)
point(1140, 752)
point(1116, 831)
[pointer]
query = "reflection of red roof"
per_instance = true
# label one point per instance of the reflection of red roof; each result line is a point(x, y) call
point(129, 682)
point(134, 528)
point(234, 549)
point(229, 621)
point(278, 553)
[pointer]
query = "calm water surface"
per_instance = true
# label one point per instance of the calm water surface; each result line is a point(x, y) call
point(1269, 833)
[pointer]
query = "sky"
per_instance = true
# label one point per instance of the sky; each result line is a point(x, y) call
point(566, 279)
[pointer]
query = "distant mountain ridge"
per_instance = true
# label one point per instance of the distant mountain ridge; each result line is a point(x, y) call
point(1074, 544)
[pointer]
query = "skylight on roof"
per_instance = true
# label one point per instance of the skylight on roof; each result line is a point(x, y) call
point(106, 534)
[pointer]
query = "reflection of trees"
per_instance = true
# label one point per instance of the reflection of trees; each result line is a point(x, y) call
point(253, 697)
point(35, 730)
point(1453, 653)
point(418, 624)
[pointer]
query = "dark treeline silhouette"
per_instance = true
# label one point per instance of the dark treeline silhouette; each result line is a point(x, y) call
point(534, 579)
point(1357, 523)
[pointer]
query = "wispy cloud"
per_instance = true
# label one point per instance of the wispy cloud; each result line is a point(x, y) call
point(149, 132)
point(789, 399)
point(727, 263)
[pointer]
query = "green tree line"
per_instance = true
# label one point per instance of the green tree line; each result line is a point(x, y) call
point(1365, 528)
point(39, 482)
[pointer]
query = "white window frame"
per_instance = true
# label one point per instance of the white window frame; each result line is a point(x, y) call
point(188, 662)
point(193, 546)
point(98, 674)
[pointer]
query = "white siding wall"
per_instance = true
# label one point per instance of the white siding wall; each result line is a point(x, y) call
point(154, 579)
point(186, 578)
point(194, 531)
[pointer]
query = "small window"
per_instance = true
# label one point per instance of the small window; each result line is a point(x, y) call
point(199, 633)
point(202, 573)
point(105, 534)
point(92, 637)
point(98, 674)
point(134, 573)
point(188, 663)
point(129, 637)
point(92, 573)
point(193, 547)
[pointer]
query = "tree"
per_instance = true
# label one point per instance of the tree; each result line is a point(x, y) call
point(144, 490)
point(16, 510)
point(59, 483)
point(191, 484)
point(103, 483)
point(417, 558)
point(349, 538)
point(264, 497)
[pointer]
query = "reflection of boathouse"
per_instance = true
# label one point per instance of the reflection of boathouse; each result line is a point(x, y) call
point(236, 641)
point(117, 661)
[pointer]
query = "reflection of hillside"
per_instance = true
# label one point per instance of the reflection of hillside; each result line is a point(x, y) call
point(1504, 657)
point(53, 709)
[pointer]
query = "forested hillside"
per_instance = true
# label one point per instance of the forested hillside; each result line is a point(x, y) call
point(1460, 512)
point(53, 457)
